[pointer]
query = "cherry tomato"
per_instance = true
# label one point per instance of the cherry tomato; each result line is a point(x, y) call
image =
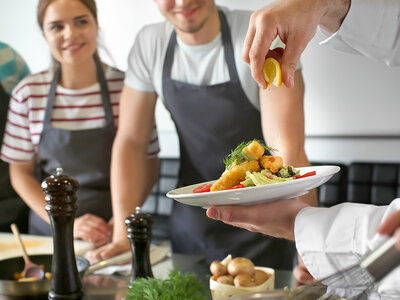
point(239, 186)
point(202, 188)
point(312, 173)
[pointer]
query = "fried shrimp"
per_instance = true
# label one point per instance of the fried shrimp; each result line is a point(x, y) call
point(273, 163)
point(233, 176)
point(254, 150)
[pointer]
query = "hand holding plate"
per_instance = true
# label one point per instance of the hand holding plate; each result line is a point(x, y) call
point(274, 219)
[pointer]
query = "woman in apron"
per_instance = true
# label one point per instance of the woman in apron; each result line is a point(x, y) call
point(65, 117)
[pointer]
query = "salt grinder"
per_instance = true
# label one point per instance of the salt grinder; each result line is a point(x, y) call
point(139, 227)
point(61, 207)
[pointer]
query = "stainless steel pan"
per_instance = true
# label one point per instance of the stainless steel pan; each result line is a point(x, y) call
point(11, 287)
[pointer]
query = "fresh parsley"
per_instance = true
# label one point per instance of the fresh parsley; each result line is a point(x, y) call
point(238, 156)
point(176, 286)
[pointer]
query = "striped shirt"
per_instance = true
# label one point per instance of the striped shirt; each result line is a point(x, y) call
point(73, 110)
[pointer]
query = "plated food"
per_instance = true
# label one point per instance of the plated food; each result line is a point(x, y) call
point(254, 178)
point(256, 194)
point(248, 166)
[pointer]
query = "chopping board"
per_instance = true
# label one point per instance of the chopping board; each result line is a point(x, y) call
point(34, 244)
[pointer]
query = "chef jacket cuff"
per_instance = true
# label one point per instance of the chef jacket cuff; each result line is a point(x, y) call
point(326, 238)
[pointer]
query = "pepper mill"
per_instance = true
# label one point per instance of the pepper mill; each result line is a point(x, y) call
point(61, 207)
point(139, 227)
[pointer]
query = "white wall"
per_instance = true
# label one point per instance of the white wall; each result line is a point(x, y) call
point(345, 94)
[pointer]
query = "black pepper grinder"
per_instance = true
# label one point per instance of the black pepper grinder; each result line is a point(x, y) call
point(61, 207)
point(139, 234)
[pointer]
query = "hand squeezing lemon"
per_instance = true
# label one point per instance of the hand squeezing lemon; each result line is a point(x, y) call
point(272, 72)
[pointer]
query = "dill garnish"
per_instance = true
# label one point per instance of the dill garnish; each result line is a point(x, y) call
point(176, 286)
point(238, 156)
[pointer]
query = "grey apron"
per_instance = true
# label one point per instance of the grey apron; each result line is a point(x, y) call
point(83, 154)
point(211, 121)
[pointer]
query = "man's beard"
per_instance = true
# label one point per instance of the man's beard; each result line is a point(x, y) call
point(193, 29)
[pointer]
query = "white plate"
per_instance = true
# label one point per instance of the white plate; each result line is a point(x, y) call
point(256, 194)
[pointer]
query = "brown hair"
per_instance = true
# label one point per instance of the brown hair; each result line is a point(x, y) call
point(43, 4)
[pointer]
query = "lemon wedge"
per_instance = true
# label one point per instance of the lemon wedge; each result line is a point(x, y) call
point(272, 72)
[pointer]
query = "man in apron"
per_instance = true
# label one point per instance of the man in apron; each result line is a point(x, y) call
point(191, 62)
point(12, 69)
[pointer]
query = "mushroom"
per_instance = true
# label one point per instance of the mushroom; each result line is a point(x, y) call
point(225, 279)
point(217, 268)
point(244, 280)
point(241, 265)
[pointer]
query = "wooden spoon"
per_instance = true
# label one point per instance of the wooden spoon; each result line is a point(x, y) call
point(30, 269)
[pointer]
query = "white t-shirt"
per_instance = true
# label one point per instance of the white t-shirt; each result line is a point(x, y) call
point(371, 28)
point(73, 110)
point(199, 65)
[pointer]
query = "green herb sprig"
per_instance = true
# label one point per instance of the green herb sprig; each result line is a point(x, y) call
point(238, 156)
point(176, 286)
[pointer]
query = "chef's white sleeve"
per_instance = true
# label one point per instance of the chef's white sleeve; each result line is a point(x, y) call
point(332, 239)
point(371, 28)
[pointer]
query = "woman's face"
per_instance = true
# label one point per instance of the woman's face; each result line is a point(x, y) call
point(71, 31)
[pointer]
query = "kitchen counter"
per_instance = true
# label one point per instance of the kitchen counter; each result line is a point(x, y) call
point(114, 287)
point(34, 244)
point(100, 287)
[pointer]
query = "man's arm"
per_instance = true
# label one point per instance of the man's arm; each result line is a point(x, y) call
point(283, 127)
point(282, 115)
point(132, 173)
point(295, 21)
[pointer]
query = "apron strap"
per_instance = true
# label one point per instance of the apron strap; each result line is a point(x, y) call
point(226, 42)
point(228, 47)
point(52, 95)
point(169, 56)
point(105, 96)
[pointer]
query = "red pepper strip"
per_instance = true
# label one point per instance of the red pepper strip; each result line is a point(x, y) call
point(312, 173)
point(239, 186)
point(203, 188)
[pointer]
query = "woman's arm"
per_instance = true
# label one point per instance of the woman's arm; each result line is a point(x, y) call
point(28, 188)
point(88, 227)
